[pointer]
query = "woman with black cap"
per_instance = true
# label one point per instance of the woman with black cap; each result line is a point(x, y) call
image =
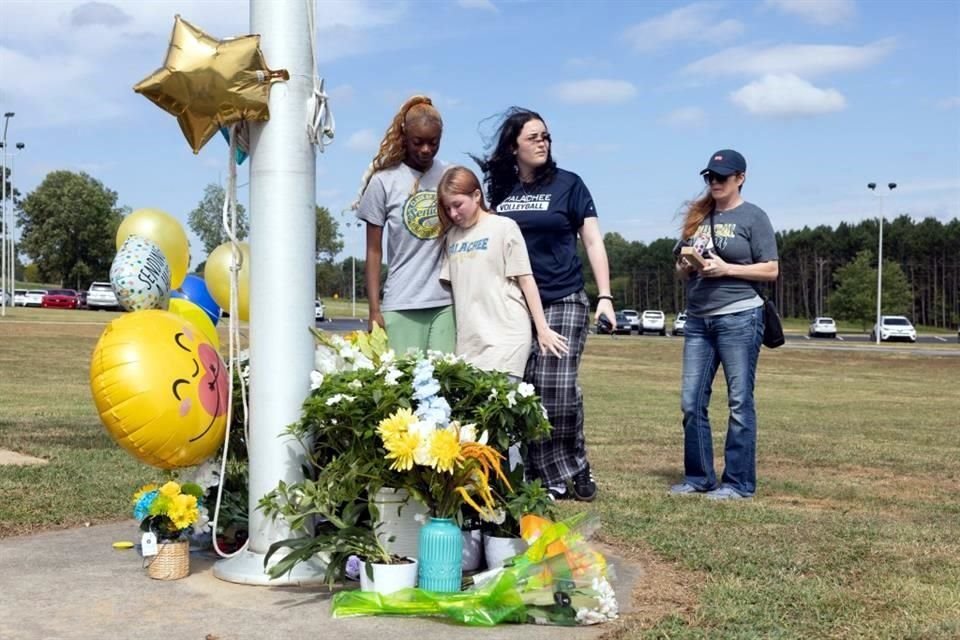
point(735, 251)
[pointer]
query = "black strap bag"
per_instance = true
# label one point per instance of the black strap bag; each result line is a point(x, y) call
point(772, 326)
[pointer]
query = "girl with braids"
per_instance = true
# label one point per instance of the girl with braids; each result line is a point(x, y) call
point(552, 207)
point(398, 200)
point(724, 326)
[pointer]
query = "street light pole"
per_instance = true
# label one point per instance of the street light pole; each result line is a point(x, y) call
point(3, 217)
point(873, 186)
point(12, 223)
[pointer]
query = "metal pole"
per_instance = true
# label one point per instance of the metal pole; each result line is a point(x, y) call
point(354, 261)
point(880, 269)
point(282, 206)
point(12, 269)
point(6, 232)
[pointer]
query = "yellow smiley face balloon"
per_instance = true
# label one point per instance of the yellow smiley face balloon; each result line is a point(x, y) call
point(160, 389)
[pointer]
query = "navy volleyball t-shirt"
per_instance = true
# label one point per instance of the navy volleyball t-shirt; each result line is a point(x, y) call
point(549, 217)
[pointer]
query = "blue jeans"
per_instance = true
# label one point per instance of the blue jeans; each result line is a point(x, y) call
point(732, 340)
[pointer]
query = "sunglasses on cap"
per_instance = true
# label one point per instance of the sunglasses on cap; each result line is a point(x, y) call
point(711, 177)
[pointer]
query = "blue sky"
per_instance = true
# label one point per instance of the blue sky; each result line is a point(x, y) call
point(820, 96)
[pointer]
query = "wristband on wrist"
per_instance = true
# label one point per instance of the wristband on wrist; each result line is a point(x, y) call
point(610, 298)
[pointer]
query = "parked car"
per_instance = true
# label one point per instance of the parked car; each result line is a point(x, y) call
point(100, 296)
point(823, 327)
point(60, 299)
point(623, 325)
point(894, 328)
point(679, 323)
point(19, 297)
point(35, 297)
point(634, 317)
point(653, 322)
point(319, 311)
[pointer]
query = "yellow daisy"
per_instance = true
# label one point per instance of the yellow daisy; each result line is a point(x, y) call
point(444, 450)
point(401, 450)
point(170, 489)
point(396, 425)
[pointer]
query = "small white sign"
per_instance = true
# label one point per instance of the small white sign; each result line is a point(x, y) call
point(148, 544)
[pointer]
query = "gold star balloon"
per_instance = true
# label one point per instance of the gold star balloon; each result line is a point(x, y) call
point(208, 83)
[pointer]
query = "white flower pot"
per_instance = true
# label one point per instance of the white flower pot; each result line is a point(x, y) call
point(388, 578)
point(497, 550)
point(399, 519)
point(472, 549)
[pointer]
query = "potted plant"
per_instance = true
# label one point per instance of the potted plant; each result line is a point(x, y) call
point(169, 512)
point(501, 540)
point(341, 537)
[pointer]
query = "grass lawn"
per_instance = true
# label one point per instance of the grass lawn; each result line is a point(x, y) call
point(855, 532)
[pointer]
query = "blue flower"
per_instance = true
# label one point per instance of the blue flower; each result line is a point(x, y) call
point(142, 509)
point(426, 390)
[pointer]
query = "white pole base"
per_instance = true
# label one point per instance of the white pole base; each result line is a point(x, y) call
point(247, 568)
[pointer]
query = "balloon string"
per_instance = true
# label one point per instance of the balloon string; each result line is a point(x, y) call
point(229, 219)
point(322, 126)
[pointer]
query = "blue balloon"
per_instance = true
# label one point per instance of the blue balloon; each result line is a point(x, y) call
point(241, 151)
point(195, 290)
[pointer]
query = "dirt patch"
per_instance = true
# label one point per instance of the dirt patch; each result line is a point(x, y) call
point(663, 590)
point(14, 458)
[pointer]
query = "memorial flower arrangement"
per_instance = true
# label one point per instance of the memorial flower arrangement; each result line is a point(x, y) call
point(428, 422)
point(170, 510)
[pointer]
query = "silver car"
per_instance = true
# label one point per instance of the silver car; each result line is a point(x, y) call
point(679, 323)
point(101, 296)
point(822, 327)
point(653, 322)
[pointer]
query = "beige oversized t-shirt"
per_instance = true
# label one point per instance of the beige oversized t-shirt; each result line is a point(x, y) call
point(482, 264)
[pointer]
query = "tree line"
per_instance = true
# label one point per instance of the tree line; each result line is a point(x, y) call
point(69, 221)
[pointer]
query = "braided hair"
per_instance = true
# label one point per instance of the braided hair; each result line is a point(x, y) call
point(392, 148)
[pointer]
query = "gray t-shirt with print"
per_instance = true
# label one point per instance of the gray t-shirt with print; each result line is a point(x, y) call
point(404, 202)
point(743, 235)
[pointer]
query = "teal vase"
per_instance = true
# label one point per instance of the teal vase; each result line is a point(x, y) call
point(441, 551)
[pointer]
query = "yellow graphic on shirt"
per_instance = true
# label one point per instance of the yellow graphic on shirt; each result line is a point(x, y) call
point(420, 215)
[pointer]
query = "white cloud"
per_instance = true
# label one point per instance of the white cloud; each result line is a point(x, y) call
point(686, 117)
point(700, 22)
point(484, 5)
point(587, 62)
point(806, 60)
point(594, 91)
point(953, 102)
point(825, 12)
point(364, 140)
point(787, 95)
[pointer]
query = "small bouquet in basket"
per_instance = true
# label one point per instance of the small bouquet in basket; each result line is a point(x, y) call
point(168, 510)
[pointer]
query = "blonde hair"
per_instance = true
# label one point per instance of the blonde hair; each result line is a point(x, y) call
point(697, 211)
point(392, 150)
point(456, 181)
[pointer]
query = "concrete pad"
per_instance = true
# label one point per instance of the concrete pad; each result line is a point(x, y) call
point(73, 584)
point(14, 458)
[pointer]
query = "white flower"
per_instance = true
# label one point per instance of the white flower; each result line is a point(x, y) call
point(337, 397)
point(362, 362)
point(316, 379)
point(202, 525)
point(606, 608)
point(393, 375)
point(356, 384)
point(387, 357)
point(451, 358)
point(525, 390)
point(543, 410)
point(497, 516)
point(420, 518)
point(348, 352)
point(512, 399)
point(468, 433)
point(206, 475)
point(492, 396)
point(483, 437)
point(325, 360)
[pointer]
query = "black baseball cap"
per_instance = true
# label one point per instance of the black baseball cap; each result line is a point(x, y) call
point(726, 162)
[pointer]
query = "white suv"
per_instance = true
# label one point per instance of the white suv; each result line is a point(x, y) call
point(894, 328)
point(319, 311)
point(101, 296)
point(679, 323)
point(653, 322)
point(822, 327)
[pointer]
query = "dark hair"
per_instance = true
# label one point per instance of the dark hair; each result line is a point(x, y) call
point(500, 166)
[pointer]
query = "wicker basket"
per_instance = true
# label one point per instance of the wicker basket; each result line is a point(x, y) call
point(172, 561)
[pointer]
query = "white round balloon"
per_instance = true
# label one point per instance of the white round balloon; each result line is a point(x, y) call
point(140, 275)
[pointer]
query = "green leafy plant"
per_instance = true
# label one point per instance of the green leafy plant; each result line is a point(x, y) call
point(527, 498)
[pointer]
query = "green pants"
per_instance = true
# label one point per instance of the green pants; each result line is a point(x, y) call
point(423, 329)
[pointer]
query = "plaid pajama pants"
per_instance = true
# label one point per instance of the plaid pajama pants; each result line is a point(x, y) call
point(561, 456)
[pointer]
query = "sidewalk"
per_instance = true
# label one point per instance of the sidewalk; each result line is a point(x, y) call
point(73, 584)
